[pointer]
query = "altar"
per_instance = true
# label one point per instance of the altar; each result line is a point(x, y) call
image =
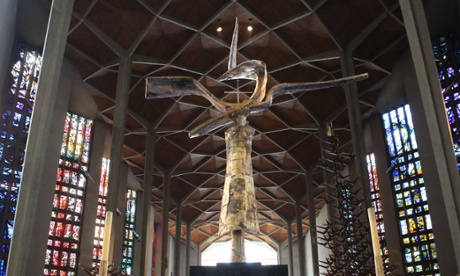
point(239, 269)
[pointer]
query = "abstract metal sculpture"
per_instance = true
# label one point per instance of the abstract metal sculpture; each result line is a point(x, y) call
point(238, 213)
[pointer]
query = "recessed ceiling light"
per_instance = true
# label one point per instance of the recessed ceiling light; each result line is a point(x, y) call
point(219, 29)
point(249, 28)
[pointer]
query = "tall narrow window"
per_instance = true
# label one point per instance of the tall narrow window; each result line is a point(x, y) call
point(447, 55)
point(16, 110)
point(377, 204)
point(417, 239)
point(100, 215)
point(66, 217)
point(129, 237)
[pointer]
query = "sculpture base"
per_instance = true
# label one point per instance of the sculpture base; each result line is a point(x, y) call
point(240, 269)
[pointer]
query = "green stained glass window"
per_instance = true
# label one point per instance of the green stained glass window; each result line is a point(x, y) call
point(129, 234)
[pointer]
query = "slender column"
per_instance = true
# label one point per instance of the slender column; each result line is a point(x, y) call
point(92, 195)
point(290, 251)
point(31, 225)
point(312, 220)
point(301, 248)
point(177, 262)
point(198, 255)
point(435, 141)
point(8, 9)
point(357, 134)
point(165, 230)
point(280, 254)
point(146, 225)
point(116, 149)
point(187, 249)
point(119, 219)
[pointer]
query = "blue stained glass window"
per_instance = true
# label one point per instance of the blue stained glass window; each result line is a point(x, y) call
point(129, 237)
point(15, 110)
point(65, 226)
point(410, 194)
point(446, 51)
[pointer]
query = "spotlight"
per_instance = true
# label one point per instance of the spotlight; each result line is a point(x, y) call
point(250, 28)
point(219, 29)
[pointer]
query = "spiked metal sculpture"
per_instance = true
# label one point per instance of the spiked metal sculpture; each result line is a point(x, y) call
point(238, 213)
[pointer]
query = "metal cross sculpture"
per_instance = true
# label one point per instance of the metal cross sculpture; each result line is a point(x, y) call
point(238, 212)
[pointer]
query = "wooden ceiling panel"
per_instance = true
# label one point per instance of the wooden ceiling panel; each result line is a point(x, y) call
point(201, 54)
point(85, 40)
point(307, 152)
point(172, 37)
point(166, 154)
point(105, 82)
point(189, 213)
point(386, 33)
point(82, 7)
point(274, 11)
point(181, 189)
point(350, 18)
point(136, 142)
point(307, 36)
point(194, 13)
point(296, 187)
point(270, 49)
point(85, 66)
point(122, 21)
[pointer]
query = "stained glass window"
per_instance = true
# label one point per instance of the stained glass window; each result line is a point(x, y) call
point(417, 239)
point(100, 215)
point(66, 217)
point(377, 204)
point(447, 55)
point(16, 110)
point(130, 234)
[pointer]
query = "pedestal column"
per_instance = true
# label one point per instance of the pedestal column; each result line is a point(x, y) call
point(239, 213)
point(435, 142)
point(312, 221)
point(114, 199)
point(31, 225)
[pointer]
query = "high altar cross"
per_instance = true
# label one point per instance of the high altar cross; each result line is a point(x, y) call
point(238, 212)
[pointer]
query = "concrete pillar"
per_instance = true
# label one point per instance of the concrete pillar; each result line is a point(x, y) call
point(187, 248)
point(177, 261)
point(290, 251)
point(356, 126)
point(118, 224)
point(92, 195)
point(114, 200)
point(198, 255)
point(300, 240)
point(143, 260)
point(434, 138)
point(312, 220)
point(31, 225)
point(165, 231)
point(8, 9)
point(390, 218)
